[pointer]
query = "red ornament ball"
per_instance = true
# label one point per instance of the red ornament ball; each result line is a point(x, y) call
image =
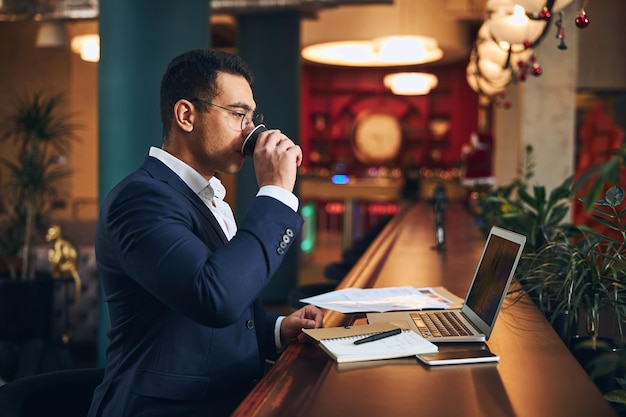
point(537, 71)
point(582, 21)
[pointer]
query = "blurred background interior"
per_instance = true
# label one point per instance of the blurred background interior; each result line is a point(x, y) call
point(465, 124)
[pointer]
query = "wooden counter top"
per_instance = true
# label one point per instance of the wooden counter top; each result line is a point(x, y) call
point(536, 376)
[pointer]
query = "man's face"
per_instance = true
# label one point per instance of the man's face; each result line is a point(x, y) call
point(217, 133)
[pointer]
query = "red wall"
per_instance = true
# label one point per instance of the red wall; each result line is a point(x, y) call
point(334, 97)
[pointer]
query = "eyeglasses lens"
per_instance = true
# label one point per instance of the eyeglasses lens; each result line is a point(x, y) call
point(251, 120)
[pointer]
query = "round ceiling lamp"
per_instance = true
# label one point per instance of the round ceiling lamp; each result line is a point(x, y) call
point(505, 43)
point(88, 46)
point(51, 35)
point(508, 23)
point(410, 83)
point(535, 7)
point(495, 60)
point(493, 72)
point(488, 47)
point(480, 84)
point(379, 52)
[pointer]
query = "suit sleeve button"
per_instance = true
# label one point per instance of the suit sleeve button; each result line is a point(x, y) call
point(280, 251)
point(250, 324)
point(289, 232)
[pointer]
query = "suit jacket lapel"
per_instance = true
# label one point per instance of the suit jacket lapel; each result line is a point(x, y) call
point(161, 172)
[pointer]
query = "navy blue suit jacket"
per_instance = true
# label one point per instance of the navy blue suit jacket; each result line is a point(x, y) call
point(189, 335)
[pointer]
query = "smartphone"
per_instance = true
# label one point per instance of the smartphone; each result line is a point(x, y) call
point(458, 356)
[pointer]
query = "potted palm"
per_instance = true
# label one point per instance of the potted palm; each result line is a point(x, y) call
point(582, 272)
point(572, 272)
point(526, 209)
point(38, 132)
point(575, 273)
point(593, 287)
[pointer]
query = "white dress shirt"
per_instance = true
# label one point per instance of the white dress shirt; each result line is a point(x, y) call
point(212, 193)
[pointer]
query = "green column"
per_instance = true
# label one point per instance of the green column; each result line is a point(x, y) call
point(270, 44)
point(137, 40)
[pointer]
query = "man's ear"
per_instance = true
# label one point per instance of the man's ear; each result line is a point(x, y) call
point(184, 114)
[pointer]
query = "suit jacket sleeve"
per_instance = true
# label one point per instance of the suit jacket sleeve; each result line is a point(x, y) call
point(159, 237)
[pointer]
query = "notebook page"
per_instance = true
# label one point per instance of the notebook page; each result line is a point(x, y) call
point(407, 343)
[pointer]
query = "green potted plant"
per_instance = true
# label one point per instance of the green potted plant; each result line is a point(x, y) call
point(575, 273)
point(572, 272)
point(38, 132)
point(524, 209)
point(607, 370)
point(582, 272)
point(597, 176)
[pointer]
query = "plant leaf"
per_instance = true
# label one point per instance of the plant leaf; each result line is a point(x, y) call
point(614, 196)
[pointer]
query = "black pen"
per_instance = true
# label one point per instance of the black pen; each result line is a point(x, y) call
point(378, 336)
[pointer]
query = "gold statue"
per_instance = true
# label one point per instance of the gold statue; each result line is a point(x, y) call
point(62, 257)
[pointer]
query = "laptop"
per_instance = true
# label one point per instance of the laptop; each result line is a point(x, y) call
point(475, 320)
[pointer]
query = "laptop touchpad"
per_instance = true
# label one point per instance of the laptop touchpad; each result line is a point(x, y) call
point(396, 318)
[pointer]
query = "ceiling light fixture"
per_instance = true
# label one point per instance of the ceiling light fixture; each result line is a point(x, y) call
point(505, 43)
point(509, 23)
point(51, 34)
point(379, 52)
point(88, 46)
point(410, 83)
point(537, 7)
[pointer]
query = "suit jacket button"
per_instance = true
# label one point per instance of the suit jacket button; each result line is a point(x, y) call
point(283, 245)
point(289, 232)
point(250, 324)
point(286, 239)
point(280, 251)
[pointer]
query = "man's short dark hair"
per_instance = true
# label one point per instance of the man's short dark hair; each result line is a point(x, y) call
point(193, 74)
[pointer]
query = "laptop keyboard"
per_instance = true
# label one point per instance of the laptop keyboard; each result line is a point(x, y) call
point(439, 324)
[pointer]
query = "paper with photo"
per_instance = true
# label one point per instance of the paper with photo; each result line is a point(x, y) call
point(355, 300)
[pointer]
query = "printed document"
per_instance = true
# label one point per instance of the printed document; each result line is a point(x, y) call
point(356, 300)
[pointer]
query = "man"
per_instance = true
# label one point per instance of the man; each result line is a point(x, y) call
point(189, 335)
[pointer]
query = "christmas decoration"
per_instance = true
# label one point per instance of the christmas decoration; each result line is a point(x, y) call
point(582, 21)
point(560, 32)
point(506, 41)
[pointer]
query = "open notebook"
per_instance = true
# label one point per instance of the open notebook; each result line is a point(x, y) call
point(475, 320)
point(338, 342)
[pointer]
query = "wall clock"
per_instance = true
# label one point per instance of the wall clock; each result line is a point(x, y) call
point(377, 137)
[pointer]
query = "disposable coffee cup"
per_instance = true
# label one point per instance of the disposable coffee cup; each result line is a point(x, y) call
point(250, 142)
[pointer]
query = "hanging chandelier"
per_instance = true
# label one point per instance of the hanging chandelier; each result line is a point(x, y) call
point(504, 51)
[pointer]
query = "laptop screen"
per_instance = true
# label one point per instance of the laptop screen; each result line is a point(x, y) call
point(492, 277)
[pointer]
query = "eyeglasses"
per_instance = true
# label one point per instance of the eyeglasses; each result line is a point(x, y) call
point(238, 120)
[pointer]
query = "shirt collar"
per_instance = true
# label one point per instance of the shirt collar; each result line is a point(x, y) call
point(190, 176)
